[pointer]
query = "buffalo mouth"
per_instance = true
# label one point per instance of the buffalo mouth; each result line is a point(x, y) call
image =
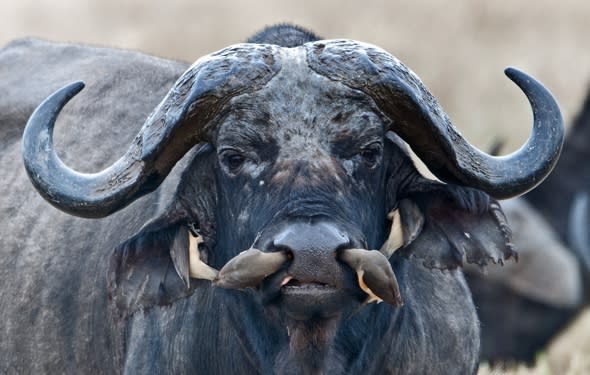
point(305, 299)
point(313, 300)
point(312, 269)
point(324, 289)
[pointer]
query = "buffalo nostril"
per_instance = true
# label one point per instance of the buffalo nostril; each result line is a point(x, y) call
point(311, 238)
point(281, 249)
point(312, 249)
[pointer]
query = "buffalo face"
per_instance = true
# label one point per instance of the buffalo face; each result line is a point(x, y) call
point(302, 173)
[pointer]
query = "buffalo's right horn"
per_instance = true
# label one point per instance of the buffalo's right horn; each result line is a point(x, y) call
point(419, 120)
point(180, 121)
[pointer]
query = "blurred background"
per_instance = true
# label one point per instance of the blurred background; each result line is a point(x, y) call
point(458, 48)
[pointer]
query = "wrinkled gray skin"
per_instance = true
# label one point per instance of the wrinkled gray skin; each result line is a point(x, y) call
point(55, 314)
point(53, 309)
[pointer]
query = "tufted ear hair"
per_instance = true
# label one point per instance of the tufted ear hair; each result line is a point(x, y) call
point(156, 267)
point(142, 273)
point(453, 225)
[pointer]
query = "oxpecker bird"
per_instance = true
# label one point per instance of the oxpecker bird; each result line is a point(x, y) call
point(375, 276)
point(249, 268)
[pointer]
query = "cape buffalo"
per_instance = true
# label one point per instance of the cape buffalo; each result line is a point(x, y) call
point(282, 163)
point(550, 285)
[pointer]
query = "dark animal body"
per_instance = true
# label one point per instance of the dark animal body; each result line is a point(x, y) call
point(551, 284)
point(570, 178)
point(280, 151)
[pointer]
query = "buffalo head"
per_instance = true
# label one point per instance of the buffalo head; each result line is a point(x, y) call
point(301, 187)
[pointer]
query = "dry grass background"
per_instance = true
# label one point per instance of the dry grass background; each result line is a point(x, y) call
point(459, 49)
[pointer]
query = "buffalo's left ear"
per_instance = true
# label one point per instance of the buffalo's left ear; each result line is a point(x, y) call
point(459, 225)
point(153, 268)
point(162, 263)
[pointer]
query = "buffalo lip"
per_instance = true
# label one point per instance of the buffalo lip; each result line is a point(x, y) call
point(308, 300)
point(290, 285)
point(304, 300)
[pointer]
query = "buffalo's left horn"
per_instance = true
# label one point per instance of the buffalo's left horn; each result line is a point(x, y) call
point(179, 122)
point(417, 118)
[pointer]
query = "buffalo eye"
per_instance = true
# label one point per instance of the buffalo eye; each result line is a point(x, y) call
point(232, 160)
point(371, 154)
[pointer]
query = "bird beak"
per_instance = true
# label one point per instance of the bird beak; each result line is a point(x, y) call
point(396, 235)
point(197, 268)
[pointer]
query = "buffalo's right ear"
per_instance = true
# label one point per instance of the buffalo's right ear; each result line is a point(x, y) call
point(453, 225)
point(443, 225)
point(153, 268)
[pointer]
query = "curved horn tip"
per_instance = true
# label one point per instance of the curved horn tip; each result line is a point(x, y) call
point(547, 135)
point(51, 106)
point(529, 83)
point(513, 73)
point(68, 91)
point(77, 86)
point(518, 76)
